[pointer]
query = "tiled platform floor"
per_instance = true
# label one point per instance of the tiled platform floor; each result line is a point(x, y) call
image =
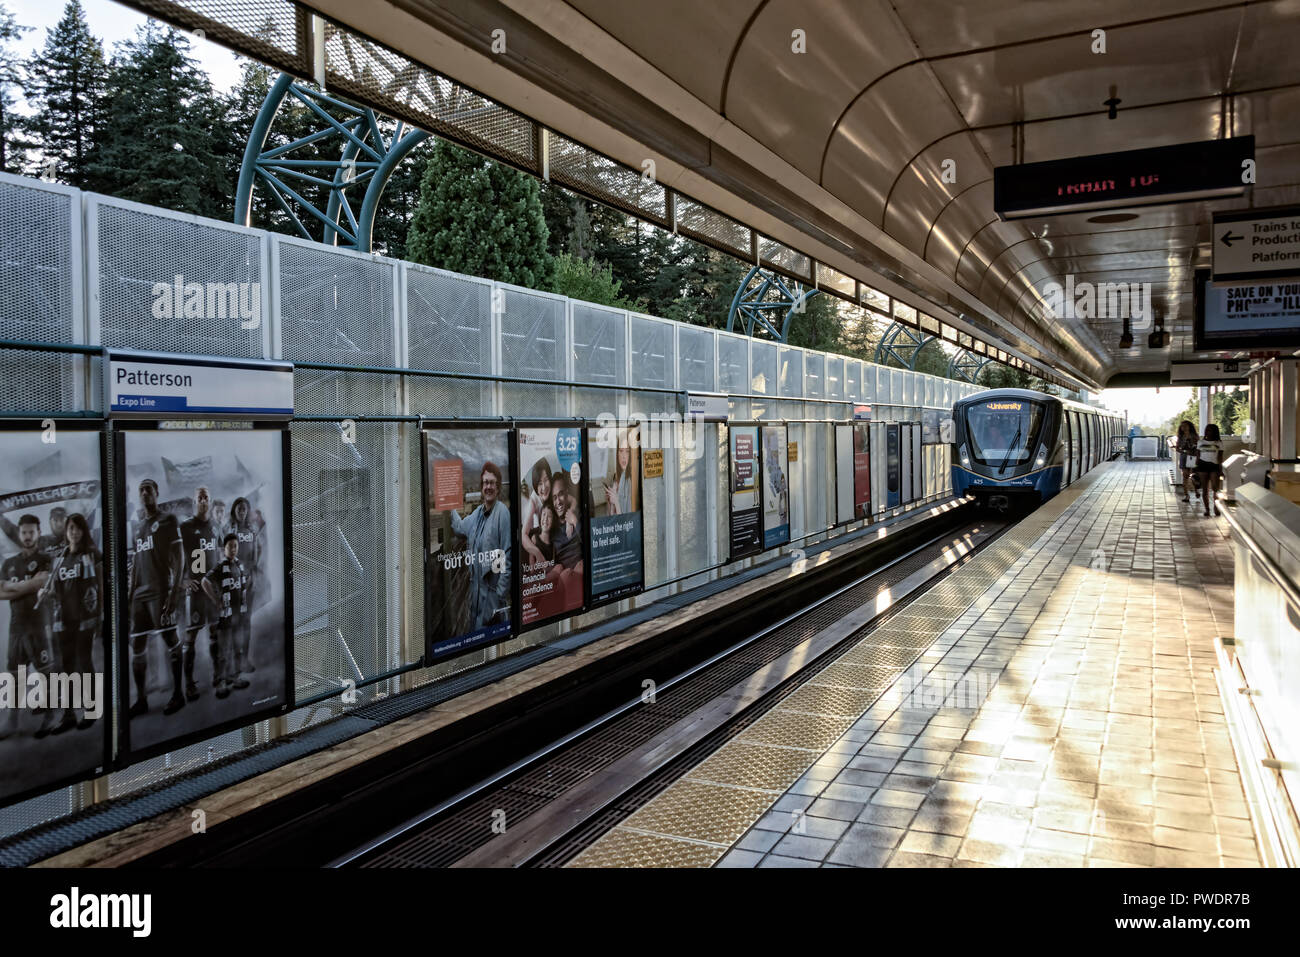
point(1091, 731)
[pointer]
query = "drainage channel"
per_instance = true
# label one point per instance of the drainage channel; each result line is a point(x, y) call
point(458, 835)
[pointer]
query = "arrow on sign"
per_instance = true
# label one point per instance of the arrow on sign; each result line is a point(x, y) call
point(1228, 238)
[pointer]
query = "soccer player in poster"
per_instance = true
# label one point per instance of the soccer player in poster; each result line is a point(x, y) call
point(153, 595)
point(228, 585)
point(23, 576)
point(248, 534)
point(199, 539)
point(487, 530)
point(76, 585)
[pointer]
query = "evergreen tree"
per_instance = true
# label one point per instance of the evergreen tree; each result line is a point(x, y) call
point(480, 218)
point(165, 141)
point(65, 87)
point(590, 281)
point(12, 146)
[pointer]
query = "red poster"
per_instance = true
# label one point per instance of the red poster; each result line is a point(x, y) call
point(448, 484)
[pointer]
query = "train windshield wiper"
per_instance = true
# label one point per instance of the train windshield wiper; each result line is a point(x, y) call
point(1010, 448)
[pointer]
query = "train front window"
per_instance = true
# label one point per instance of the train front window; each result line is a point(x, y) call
point(1003, 432)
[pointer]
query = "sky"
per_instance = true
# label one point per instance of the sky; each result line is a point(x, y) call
point(112, 23)
point(1147, 406)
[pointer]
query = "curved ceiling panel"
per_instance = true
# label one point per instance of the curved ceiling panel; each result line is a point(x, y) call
point(1149, 63)
point(920, 194)
point(941, 28)
point(696, 59)
point(1085, 135)
point(1269, 33)
point(881, 132)
point(791, 101)
point(985, 246)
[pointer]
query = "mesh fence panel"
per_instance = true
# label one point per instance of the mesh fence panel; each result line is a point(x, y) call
point(140, 257)
point(533, 344)
point(344, 547)
point(834, 377)
point(762, 360)
point(692, 519)
point(814, 368)
point(709, 226)
point(587, 171)
point(784, 258)
point(652, 353)
point(599, 355)
point(402, 88)
point(695, 357)
point(733, 364)
point(272, 30)
point(36, 264)
point(791, 374)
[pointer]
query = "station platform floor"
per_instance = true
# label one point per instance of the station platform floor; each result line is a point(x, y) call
point(1065, 714)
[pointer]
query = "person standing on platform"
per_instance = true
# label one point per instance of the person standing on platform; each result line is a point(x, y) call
point(1185, 449)
point(1209, 466)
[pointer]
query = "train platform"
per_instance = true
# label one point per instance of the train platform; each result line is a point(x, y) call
point(1064, 714)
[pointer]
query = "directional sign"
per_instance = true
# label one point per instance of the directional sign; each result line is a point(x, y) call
point(1257, 243)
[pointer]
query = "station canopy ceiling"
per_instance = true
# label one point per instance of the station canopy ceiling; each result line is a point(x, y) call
point(829, 124)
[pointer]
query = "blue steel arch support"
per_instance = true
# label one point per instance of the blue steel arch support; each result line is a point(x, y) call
point(365, 157)
point(761, 297)
point(902, 344)
point(966, 365)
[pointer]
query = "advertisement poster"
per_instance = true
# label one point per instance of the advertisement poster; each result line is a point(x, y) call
point(861, 470)
point(551, 533)
point(844, 487)
point(55, 700)
point(202, 594)
point(776, 486)
point(617, 565)
point(746, 532)
point(468, 534)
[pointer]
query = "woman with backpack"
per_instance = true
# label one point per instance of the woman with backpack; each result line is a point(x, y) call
point(1209, 466)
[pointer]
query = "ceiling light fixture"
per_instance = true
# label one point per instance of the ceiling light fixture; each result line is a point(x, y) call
point(1126, 339)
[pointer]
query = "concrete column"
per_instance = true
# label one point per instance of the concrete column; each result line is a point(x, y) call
point(1205, 408)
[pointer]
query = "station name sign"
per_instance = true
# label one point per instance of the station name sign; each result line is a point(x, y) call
point(160, 385)
point(1162, 174)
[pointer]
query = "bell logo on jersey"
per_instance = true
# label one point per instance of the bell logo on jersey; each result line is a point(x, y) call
point(67, 573)
point(244, 536)
point(207, 544)
point(144, 544)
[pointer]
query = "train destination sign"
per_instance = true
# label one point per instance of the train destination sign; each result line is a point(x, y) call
point(1257, 243)
point(1163, 174)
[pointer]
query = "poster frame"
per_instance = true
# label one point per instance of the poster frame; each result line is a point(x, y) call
point(107, 638)
point(127, 755)
point(784, 426)
point(427, 657)
point(732, 554)
point(517, 533)
point(593, 600)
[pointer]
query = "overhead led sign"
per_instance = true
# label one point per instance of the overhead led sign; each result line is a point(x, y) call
point(1163, 174)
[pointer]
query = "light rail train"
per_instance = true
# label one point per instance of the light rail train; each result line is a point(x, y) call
point(1016, 446)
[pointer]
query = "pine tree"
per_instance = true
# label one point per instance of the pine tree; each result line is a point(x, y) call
point(590, 281)
point(65, 86)
point(12, 126)
point(480, 218)
point(165, 140)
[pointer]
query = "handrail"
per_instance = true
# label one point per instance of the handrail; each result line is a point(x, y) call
point(1275, 571)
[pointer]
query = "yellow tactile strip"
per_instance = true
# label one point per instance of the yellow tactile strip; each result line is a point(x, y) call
point(716, 802)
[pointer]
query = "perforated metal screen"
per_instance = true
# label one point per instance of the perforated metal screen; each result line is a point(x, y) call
point(356, 480)
point(164, 282)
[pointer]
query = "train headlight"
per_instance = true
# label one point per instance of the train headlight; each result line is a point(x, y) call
point(1042, 457)
point(965, 459)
